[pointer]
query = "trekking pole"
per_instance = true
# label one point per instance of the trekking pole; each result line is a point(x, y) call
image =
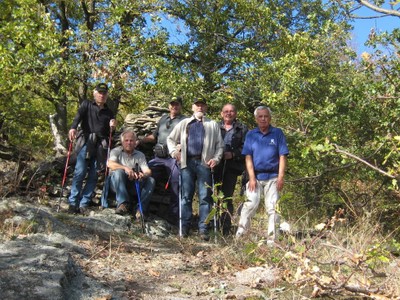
point(106, 185)
point(139, 200)
point(169, 177)
point(180, 205)
point(65, 174)
point(222, 218)
point(223, 172)
point(214, 203)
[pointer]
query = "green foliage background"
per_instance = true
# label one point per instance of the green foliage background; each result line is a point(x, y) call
point(291, 55)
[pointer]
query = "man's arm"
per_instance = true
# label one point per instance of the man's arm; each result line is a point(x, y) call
point(146, 172)
point(152, 137)
point(147, 139)
point(113, 165)
point(173, 141)
point(281, 173)
point(219, 148)
point(251, 173)
point(82, 110)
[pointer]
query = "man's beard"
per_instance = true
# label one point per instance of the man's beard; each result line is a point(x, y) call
point(199, 115)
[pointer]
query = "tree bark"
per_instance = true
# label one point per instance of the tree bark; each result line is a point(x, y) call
point(58, 145)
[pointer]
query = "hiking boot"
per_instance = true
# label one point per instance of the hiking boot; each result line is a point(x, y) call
point(72, 209)
point(84, 211)
point(94, 203)
point(185, 232)
point(205, 236)
point(173, 220)
point(226, 231)
point(121, 209)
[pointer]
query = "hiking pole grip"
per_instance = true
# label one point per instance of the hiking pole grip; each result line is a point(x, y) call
point(170, 176)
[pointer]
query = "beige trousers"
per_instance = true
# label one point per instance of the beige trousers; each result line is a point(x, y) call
point(268, 189)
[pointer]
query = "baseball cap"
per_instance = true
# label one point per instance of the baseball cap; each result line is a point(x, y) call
point(176, 100)
point(199, 100)
point(102, 87)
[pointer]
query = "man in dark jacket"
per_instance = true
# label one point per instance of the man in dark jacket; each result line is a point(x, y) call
point(232, 164)
point(96, 121)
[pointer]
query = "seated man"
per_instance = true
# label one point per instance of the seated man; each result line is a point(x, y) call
point(127, 165)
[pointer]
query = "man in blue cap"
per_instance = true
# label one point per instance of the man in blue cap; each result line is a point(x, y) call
point(96, 120)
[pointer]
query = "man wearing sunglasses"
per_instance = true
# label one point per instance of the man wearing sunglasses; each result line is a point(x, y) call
point(162, 161)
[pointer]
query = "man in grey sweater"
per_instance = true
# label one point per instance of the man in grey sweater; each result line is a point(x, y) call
point(196, 143)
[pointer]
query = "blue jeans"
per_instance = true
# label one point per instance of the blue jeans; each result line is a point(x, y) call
point(79, 197)
point(196, 172)
point(158, 166)
point(125, 189)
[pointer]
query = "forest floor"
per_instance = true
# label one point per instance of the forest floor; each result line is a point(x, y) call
point(50, 254)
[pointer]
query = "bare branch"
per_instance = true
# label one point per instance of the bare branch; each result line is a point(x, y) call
point(363, 161)
point(378, 9)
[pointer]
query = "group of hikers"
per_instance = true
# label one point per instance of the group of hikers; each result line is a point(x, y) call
point(194, 151)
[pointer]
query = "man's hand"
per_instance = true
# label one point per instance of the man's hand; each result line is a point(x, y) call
point(113, 124)
point(211, 163)
point(177, 156)
point(139, 176)
point(252, 184)
point(72, 134)
point(130, 173)
point(279, 183)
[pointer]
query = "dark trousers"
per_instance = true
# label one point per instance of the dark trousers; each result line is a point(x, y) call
point(228, 179)
point(160, 166)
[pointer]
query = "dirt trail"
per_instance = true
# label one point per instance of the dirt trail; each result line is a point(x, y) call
point(112, 252)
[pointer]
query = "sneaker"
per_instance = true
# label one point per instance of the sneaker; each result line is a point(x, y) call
point(84, 211)
point(271, 243)
point(121, 209)
point(205, 236)
point(239, 233)
point(72, 209)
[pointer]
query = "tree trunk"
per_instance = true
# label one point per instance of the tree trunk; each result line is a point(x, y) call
point(58, 144)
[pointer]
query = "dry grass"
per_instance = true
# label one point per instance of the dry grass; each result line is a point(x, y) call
point(11, 228)
point(335, 259)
